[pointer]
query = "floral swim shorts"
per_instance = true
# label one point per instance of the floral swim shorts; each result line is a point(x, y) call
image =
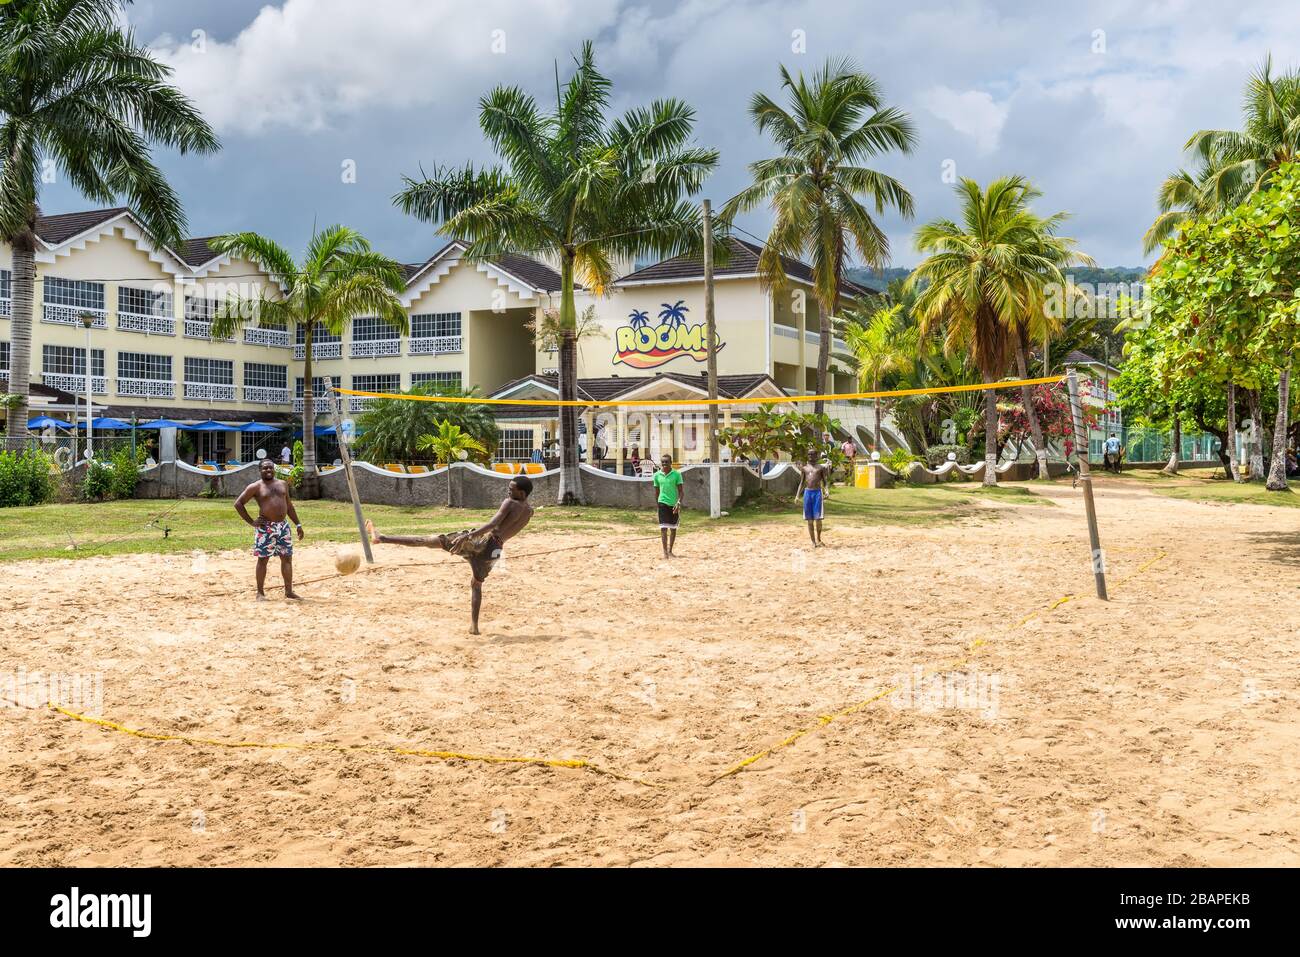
point(273, 538)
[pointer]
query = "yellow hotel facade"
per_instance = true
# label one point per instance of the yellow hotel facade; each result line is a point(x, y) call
point(152, 354)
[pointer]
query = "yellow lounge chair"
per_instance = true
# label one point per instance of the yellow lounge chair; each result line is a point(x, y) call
point(399, 469)
point(534, 468)
point(505, 468)
point(417, 469)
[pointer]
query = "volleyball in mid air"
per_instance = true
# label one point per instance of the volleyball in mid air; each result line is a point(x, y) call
point(347, 561)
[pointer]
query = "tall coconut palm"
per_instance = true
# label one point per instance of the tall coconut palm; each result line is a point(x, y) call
point(882, 343)
point(339, 278)
point(1037, 322)
point(78, 92)
point(979, 279)
point(577, 188)
point(835, 123)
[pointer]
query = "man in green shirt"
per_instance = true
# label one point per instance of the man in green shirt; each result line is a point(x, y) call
point(669, 483)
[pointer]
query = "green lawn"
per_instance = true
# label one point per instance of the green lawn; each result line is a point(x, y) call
point(1206, 485)
point(80, 530)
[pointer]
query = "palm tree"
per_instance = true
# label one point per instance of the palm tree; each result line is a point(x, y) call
point(77, 90)
point(834, 123)
point(340, 277)
point(980, 279)
point(449, 444)
point(577, 188)
point(638, 318)
point(882, 343)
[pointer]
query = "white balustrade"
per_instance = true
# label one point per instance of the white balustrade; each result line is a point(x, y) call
point(435, 346)
point(210, 391)
point(198, 329)
point(147, 388)
point(319, 350)
point(71, 315)
point(149, 325)
point(262, 395)
point(374, 348)
point(257, 336)
point(75, 384)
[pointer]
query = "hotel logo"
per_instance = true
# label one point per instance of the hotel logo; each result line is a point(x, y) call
point(643, 346)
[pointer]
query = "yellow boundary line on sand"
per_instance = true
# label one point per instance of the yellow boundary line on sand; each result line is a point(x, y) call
point(573, 763)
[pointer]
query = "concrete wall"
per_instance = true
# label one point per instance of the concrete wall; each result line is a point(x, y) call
point(471, 485)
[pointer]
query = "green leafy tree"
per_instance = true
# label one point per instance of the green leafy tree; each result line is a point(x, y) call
point(575, 187)
point(339, 278)
point(1226, 300)
point(819, 188)
point(78, 91)
point(391, 429)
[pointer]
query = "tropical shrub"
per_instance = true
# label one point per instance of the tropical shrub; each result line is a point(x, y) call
point(899, 460)
point(936, 455)
point(98, 483)
point(125, 472)
point(25, 479)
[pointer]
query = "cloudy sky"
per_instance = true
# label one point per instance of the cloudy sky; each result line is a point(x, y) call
point(1091, 100)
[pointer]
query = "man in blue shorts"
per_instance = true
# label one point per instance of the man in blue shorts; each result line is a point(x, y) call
point(815, 478)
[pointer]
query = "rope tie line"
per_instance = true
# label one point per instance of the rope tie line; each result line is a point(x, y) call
point(678, 403)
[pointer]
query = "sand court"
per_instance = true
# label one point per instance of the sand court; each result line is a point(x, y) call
point(1160, 728)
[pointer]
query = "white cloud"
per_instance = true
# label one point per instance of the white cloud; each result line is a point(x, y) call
point(309, 62)
point(972, 112)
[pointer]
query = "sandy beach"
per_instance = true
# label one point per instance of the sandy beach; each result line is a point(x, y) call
point(1161, 728)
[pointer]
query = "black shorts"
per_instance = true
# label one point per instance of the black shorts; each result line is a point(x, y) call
point(668, 517)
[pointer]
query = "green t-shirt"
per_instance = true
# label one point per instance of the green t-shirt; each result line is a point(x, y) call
point(669, 485)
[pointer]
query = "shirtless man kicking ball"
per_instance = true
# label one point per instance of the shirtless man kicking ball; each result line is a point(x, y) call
point(273, 536)
point(481, 547)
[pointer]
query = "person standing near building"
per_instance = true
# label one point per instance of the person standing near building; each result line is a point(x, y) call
point(850, 450)
point(668, 482)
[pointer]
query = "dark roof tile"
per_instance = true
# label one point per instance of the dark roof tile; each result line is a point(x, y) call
point(63, 226)
point(742, 260)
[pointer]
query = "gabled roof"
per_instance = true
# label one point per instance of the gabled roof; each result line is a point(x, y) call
point(742, 260)
point(197, 252)
point(63, 226)
point(1077, 358)
point(609, 388)
point(529, 273)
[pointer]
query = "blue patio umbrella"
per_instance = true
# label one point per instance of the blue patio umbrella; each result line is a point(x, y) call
point(260, 427)
point(210, 426)
point(44, 422)
point(162, 424)
point(318, 430)
point(106, 424)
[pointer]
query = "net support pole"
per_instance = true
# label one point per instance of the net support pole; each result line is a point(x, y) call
point(345, 454)
point(1085, 477)
point(715, 467)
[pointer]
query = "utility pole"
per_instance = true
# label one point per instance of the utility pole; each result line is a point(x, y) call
point(715, 468)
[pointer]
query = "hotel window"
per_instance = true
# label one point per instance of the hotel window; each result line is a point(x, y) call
point(6, 284)
point(68, 360)
point(204, 310)
point(144, 302)
point(263, 375)
point(142, 365)
point(434, 325)
point(370, 328)
point(319, 334)
point(4, 357)
point(74, 293)
point(377, 383)
point(319, 385)
point(516, 445)
point(210, 371)
point(441, 379)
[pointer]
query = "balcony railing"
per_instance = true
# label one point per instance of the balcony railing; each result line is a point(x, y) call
point(319, 350)
point(262, 395)
point(210, 391)
point(374, 348)
point(256, 336)
point(323, 402)
point(434, 346)
point(149, 325)
point(6, 307)
point(71, 315)
point(359, 403)
point(148, 388)
point(199, 329)
point(75, 384)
